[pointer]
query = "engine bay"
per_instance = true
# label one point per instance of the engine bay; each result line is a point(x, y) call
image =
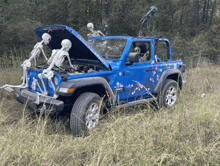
point(79, 67)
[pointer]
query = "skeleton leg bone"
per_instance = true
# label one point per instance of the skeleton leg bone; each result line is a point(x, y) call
point(42, 82)
point(23, 85)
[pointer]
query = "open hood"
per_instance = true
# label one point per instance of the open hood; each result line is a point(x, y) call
point(80, 49)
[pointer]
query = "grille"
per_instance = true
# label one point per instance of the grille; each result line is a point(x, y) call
point(37, 86)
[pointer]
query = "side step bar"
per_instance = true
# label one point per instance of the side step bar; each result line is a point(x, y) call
point(132, 103)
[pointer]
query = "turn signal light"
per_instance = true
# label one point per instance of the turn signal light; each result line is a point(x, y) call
point(70, 90)
point(184, 68)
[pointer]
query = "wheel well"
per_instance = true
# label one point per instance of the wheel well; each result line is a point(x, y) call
point(98, 89)
point(176, 77)
point(70, 100)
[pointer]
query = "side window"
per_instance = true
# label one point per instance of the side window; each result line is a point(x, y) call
point(143, 48)
point(162, 51)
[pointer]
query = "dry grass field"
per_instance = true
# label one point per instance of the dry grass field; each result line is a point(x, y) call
point(187, 134)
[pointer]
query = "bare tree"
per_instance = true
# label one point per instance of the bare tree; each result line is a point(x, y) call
point(212, 13)
point(204, 11)
point(207, 12)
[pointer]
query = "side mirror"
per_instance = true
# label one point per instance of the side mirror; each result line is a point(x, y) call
point(133, 57)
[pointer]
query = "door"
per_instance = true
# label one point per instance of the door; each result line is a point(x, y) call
point(138, 79)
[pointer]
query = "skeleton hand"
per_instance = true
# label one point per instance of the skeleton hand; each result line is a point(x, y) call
point(26, 63)
point(72, 66)
point(47, 73)
point(44, 71)
point(75, 67)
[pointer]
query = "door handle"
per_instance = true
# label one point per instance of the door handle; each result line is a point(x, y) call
point(150, 69)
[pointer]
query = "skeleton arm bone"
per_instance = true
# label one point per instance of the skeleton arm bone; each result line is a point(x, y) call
point(101, 33)
point(68, 57)
point(44, 53)
point(50, 67)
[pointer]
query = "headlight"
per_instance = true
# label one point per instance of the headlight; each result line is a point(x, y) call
point(66, 90)
point(55, 79)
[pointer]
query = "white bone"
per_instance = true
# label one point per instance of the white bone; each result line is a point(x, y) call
point(90, 26)
point(41, 76)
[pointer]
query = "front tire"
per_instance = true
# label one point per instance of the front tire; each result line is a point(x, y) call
point(169, 94)
point(85, 113)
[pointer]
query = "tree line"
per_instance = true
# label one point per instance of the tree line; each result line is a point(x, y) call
point(192, 26)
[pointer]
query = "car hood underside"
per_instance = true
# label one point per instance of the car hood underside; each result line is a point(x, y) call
point(80, 50)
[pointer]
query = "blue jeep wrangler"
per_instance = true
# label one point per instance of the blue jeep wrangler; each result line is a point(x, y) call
point(119, 71)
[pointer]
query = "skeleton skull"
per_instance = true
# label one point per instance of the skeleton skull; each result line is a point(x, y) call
point(66, 44)
point(46, 38)
point(137, 49)
point(90, 26)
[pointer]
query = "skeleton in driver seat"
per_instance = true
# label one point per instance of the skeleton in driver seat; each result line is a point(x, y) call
point(57, 60)
point(38, 48)
point(143, 51)
point(93, 33)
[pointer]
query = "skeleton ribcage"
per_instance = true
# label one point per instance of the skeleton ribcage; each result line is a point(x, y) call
point(35, 53)
point(60, 60)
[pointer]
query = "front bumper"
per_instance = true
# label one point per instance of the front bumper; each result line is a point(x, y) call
point(38, 102)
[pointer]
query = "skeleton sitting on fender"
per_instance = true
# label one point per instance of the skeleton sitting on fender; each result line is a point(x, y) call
point(27, 63)
point(93, 33)
point(56, 59)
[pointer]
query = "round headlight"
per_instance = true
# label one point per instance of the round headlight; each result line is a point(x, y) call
point(55, 80)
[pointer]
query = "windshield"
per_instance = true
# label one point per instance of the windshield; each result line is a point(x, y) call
point(109, 48)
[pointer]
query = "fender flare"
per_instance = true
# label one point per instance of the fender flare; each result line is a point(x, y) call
point(83, 82)
point(164, 76)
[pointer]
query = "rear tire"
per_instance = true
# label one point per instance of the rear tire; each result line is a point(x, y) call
point(169, 93)
point(85, 113)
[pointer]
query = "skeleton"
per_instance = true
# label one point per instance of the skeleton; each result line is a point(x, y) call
point(93, 33)
point(27, 63)
point(146, 19)
point(57, 59)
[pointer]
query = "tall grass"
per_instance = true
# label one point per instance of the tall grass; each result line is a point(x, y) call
point(187, 134)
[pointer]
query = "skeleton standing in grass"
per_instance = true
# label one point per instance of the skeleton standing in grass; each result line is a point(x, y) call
point(57, 58)
point(38, 48)
point(93, 33)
